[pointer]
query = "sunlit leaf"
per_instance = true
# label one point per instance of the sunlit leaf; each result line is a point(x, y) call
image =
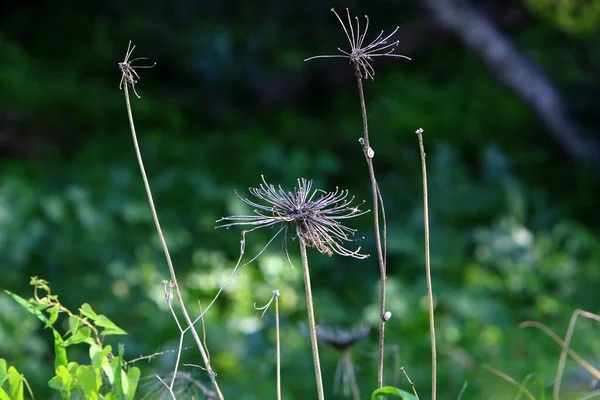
point(394, 392)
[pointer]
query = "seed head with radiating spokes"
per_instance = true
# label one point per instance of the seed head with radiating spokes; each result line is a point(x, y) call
point(316, 214)
point(128, 74)
point(363, 56)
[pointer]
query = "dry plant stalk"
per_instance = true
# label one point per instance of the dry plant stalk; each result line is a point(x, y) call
point(419, 133)
point(565, 347)
point(317, 217)
point(361, 55)
point(507, 378)
point(129, 78)
point(343, 341)
point(277, 338)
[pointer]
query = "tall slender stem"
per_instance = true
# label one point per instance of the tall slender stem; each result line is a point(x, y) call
point(311, 320)
point(376, 199)
point(428, 267)
point(188, 320)
point(278, 347)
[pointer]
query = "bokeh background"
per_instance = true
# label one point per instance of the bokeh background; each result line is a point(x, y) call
point(506, 92)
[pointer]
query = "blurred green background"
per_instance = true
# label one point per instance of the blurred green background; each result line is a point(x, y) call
point(514, 218)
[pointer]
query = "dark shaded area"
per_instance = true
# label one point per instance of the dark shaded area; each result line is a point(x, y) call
point(512, 156)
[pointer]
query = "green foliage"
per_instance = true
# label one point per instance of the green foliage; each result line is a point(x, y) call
point(514, 222)
point(107, 377)
point(12, 383)
point(393, 392)
point(576, 17)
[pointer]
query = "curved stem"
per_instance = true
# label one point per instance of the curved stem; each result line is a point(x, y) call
point(188, 320)
point(311, 320)
point(376, 200)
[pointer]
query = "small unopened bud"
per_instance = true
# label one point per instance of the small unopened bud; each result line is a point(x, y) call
point(387, 315)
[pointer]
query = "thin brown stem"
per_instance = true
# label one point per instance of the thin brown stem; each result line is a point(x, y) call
point(368, 152)
point(278, 347)
point(311, 320)
point(428, 267)
point(188, 320)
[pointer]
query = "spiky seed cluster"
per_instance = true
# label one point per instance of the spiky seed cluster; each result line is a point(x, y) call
point(129, 76)
point(362, 56)
point(317, 219)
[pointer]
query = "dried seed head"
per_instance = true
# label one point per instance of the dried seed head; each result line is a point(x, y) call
point(342, 339)
point(129, 76)
point(360, 55)
point(317, 219)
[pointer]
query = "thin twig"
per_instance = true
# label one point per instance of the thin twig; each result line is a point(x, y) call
point(165, 248)
point(278, 346)
point(565, 348)
point(369, 153)
point(264, 309)
point(510, 380)
point(311, 320)
point(412, 385)
point(419, 133)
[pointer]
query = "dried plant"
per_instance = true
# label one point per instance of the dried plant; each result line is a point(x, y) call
point(343, 340)
point(419, 133)
point(129, 78)
point(128, 75)
point(317, 217)
point(277, 335)
point(363, 56)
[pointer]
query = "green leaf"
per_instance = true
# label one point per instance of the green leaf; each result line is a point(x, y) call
point(62, 380)
point(28, 306)
point(15, 382)
point(87, 311)
point(82, 336)
point(109, 327)
point(391, 391)
point(53, 311)
point(3, 370)
point(96, 355)
point(119, 374)
point(74, 324)
point(133, 378)
point(3, 395)
point(89, 381)
point(60, 352)
point(106, 367)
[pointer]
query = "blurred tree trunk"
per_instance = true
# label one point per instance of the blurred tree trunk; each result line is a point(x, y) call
point(515, 71)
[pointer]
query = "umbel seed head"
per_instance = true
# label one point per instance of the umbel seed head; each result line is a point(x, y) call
point(362, 54)
point(316, 214)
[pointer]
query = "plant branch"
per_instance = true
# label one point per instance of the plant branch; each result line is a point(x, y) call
point(428, 267)
point(188, 320)
point(311, 320)
point(368, 152)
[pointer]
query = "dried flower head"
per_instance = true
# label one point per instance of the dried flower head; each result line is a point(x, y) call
point(316, 215)
point(362, 56)
point(343, 340)
point(129, 76)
